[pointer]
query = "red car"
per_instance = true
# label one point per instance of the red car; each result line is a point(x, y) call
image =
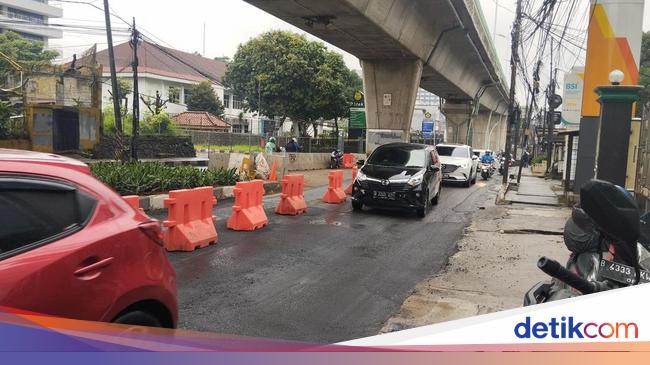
point(71, 247)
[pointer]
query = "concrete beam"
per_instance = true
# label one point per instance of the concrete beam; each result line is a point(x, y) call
point(391, 87)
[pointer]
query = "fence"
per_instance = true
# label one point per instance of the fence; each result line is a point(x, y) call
point(243, 142)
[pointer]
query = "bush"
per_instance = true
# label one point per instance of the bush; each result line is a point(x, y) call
point(538, 159)
point(144, 178)
point(109, 122)
point(158, 124)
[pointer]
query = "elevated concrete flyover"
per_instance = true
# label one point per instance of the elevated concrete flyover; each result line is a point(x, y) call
point(442, 46)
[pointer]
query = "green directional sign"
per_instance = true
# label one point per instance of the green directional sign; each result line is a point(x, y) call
point(357, 118)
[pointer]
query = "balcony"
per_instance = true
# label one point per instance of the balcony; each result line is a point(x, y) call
point(36, 7)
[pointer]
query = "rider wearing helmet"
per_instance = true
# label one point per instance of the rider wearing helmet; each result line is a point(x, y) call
point(487, 157)
point(270, 145)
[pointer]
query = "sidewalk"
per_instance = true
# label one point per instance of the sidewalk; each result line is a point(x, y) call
point(532, 190)
point(496, 260)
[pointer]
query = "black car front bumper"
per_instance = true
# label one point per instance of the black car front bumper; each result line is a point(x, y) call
point(406, 196)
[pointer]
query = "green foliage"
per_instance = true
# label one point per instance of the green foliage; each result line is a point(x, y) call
point(295, 77)
point(538, 159)
point(644, 71)
point(158, 124)
point(142, 178)
point(203, 99)
point(28, 54)
point(109, 122)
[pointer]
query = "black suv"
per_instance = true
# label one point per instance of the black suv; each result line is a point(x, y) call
point(401, 176)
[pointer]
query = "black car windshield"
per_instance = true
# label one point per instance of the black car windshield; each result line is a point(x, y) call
point(399, 156)
point(453, 151)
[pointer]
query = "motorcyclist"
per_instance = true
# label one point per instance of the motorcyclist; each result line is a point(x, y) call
point(270, 146)
point(336, 158)
point(487, 158)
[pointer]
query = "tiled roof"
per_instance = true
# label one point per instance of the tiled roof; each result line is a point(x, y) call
point(199, 120)
point(165, 61)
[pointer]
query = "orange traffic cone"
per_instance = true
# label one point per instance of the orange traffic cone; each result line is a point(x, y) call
point(273, 176)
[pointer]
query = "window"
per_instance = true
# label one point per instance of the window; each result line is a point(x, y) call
point(174, 94)
point(25, 15)
point(34, 212)
point(236, 103)
point(403, 156)
point(187, 94)
point(453, 151)
point(226, 101)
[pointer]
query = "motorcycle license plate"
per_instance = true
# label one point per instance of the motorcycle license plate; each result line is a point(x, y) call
point(621, 273)
point(385, 195)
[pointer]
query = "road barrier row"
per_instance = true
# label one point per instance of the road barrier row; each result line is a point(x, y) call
point(355, 171)
point(292, 199)
point(335, 193)
point(248, 212)
point(190, 223)
point(133, 201)
point(348, 160)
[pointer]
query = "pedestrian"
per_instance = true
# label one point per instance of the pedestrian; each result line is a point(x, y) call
point(292, 146)
point(524, 159)
point(270, 145)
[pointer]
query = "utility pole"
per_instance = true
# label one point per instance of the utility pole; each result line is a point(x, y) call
point(135, 37)
point(114, 85)
point(529, 112)
point(514, 59)
point(551, 124)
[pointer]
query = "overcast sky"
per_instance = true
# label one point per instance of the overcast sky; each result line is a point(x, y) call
point(179, 24)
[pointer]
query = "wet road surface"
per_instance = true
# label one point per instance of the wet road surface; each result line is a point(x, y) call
point(325, 276)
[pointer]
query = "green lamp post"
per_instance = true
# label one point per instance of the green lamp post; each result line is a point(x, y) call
point(616, 103)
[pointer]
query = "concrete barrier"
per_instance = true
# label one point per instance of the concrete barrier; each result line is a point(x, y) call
point(286, 162)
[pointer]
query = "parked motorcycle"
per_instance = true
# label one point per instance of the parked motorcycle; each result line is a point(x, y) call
point(609, 244)
point(336, 159)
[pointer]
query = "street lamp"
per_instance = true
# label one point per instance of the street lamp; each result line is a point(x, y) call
point(616, 77)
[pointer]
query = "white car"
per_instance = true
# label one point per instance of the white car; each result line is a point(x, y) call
point(458, 163)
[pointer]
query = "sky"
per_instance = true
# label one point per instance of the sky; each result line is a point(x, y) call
point(228, 23)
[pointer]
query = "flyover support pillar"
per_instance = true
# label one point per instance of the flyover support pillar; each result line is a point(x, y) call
point(390, 87)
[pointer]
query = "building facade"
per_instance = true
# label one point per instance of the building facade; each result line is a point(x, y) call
point(170, 75)
point(30, 19)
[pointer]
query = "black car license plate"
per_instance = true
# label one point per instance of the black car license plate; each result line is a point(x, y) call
point(621, 273)
point(384, 195)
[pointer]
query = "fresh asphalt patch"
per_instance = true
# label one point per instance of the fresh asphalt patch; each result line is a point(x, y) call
point(325, 276)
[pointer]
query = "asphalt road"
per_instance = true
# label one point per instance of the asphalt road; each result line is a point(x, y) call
point(325, 276)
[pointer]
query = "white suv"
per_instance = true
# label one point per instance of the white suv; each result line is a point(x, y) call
point(458, 163)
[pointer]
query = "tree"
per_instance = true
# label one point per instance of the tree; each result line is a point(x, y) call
point(293, 77)
point(30, 55)
point(203, 99)
point(644, 72)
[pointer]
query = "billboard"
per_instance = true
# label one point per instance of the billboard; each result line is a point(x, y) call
point(614, 43)
point(573, 90)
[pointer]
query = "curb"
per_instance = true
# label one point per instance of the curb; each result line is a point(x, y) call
point(157, 202)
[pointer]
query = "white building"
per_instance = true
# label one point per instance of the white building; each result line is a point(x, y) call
point(172, 74)
point(29, 18)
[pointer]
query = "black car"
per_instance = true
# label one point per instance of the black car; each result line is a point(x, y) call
point(399, 176)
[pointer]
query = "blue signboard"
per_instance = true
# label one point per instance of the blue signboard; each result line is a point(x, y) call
point(427, 128)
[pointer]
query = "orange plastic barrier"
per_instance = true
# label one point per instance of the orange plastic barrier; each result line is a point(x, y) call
point(273, 176)
point(355, 170)
point(292, 199)
point(335, 193)
point(133, 201)
point(348, 160)
point(190, 223)
point(248, 212)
